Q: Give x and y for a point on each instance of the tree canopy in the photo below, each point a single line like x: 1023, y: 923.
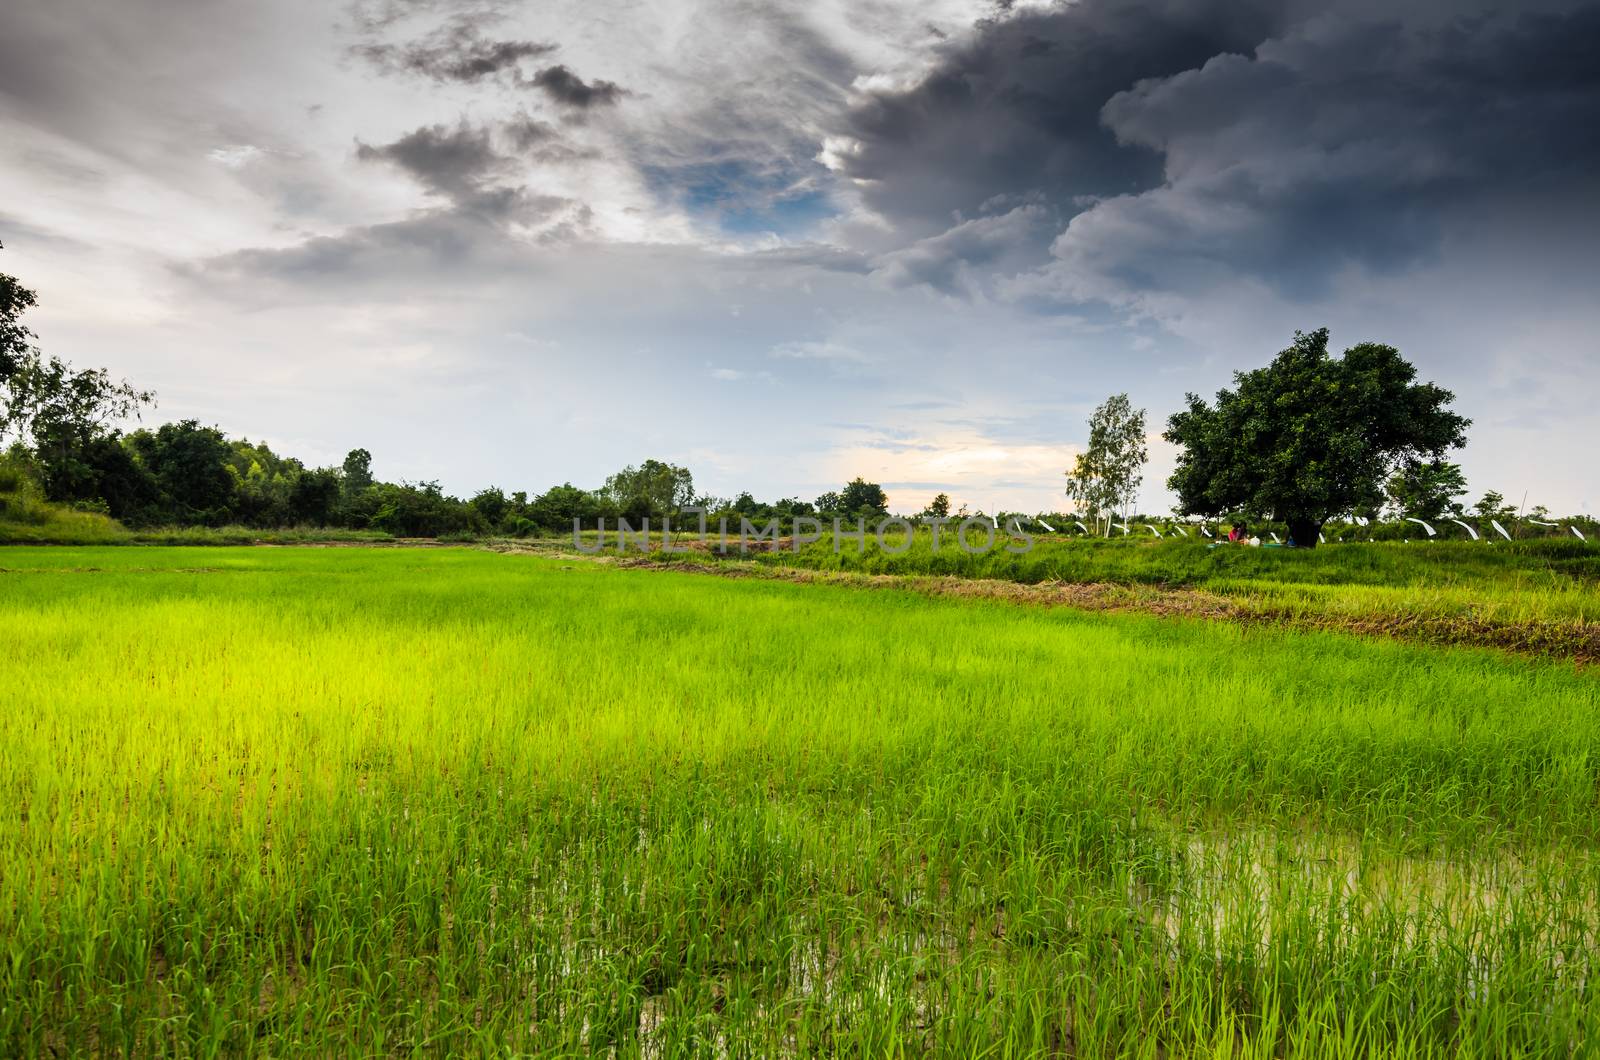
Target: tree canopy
x: 1310, y: 436
x: 863, y: 498
x: 654, y: 488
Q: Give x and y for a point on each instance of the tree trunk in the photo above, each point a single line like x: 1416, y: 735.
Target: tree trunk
x: 1304, y: 532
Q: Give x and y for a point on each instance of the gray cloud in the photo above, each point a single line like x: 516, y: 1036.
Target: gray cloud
x: 947, y: 262
x: 540, y: 141
x: 461, y: 162
x: 568, y: 89
x: 483, y: 218
x: 1015, y: 107
x: 450, y: 161
x: 374, y: 15
x: 473, y: 233
x: 1189, y: 142
x: 1340, y: 143
x: 457, y: 51
x: 530, y: 134
x: 808, y: 256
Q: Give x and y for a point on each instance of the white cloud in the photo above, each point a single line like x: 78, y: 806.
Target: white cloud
x: 234, y: 155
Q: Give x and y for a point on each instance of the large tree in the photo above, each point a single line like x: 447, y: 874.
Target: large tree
x: 1310, y: 436
x: 1107, y: 474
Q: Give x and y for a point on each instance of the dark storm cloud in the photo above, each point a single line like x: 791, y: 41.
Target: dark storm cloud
x: 1348, y: 142
x: 1482, y: 103
x: 1198, y: 138
x: 568, y: 89
x: 1015, y: 107
x: 457, y: 51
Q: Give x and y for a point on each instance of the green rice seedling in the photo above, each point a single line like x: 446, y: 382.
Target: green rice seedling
x: 385, y: 801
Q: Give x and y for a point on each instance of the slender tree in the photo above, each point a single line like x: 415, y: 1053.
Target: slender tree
x: 1107, y: 474
x: 357, y: 473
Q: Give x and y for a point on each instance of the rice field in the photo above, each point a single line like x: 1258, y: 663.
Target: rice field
x: 1539, y: 597
x: 446, y: 801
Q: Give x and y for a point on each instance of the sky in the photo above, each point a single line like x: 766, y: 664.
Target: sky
x: 785, y: 244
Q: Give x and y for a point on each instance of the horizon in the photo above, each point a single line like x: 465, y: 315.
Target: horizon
x: 505, y: 245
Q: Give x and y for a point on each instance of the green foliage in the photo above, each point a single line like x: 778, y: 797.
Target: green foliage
x: 314, y: 498
x: 555, y: 510
x: 1493, y: 506
x: 16, y: 339
x: 420, y: 510
x: 191, y: 465
x: 26, y: 517
x: 1310, y: 436
x: 651, y: 490
x: 863, y: 499
x: 939, y: 507
x: 1427, y: 489
x: 57, y: 408
x: 492, y: 505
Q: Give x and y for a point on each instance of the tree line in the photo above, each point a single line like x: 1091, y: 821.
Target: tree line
x: 1309, y: 438
x: 59, y: 427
